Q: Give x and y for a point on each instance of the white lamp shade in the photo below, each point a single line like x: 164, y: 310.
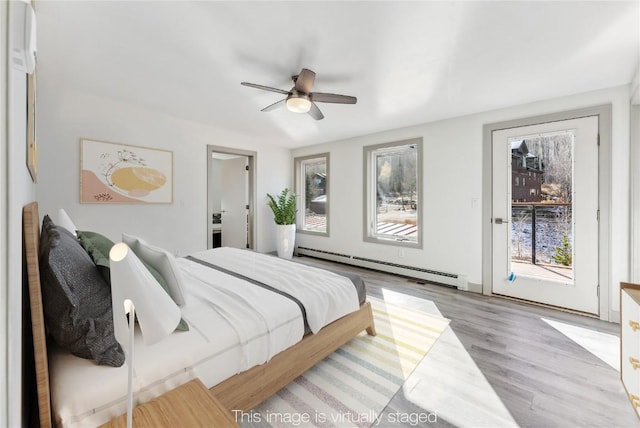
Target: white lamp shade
x: 298, y: 104
x: 65, y: 221
x: 131, y: 282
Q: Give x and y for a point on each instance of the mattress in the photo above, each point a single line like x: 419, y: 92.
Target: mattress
x: 356, y: 280
x: 325, y: 295
x: 234, y: 325
x: 230, y: 331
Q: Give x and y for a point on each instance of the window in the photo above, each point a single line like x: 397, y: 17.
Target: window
x: 312, y: 187
x: 393, y: 193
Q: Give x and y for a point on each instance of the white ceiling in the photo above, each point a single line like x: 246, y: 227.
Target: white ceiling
x: 407, y: 62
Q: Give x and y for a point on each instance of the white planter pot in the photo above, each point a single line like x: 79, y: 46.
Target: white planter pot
x: 285, y: 240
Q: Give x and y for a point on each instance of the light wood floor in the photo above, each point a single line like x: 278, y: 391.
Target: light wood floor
x: 500, y: 364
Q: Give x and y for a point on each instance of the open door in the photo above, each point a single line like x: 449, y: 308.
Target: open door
x: 234, y: 202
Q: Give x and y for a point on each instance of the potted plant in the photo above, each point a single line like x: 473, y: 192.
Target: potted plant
x: 284, y: 209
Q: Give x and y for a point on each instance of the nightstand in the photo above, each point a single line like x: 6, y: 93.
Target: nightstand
x: 189, y: 405
x: 630, y: 342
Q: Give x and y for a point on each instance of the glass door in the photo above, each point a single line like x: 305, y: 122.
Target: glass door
x: 545, y: 213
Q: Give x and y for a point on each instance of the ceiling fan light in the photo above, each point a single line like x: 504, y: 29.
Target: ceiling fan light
x: 298, y: 105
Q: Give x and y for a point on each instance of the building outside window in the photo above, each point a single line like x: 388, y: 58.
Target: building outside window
x: 393, y: 194
x: 312, y: 187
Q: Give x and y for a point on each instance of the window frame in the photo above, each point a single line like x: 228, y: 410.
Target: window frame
x: 300, y: 189
x: 369, y: 190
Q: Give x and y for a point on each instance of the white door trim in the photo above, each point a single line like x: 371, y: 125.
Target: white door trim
x: 604, y: 200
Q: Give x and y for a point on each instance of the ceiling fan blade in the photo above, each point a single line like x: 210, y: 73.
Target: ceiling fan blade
x: 315, y: 112
x: 321, y: 97
x: 265, y: 88
x: 304, y: 81
x: 274, y: 105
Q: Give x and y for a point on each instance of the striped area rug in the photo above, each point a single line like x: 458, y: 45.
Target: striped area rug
x: 351, y: 387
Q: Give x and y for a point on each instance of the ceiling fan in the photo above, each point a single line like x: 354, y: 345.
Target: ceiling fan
x: 300, y: 99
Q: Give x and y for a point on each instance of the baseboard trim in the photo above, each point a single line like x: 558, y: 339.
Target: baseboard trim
x: 429, y: 275
x: 474, y: 288
x: 615, y: 317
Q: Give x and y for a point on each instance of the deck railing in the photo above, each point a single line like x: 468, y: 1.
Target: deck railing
x: 528, y: 218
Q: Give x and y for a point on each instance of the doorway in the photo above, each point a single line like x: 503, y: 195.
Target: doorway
x: 545, y: 213
x: 546, y: 238
x: 230, y: 197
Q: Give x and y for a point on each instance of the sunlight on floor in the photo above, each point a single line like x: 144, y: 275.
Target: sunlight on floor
x: 602, y: 345
x: 448, y: 382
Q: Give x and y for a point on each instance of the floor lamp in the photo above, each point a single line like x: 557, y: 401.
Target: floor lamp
x: 134, y: 291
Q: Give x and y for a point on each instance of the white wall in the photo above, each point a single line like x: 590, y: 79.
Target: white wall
x: 634, y: 159
x: 635, y: 193
x: 453, y: 173
x: 22, y: 190
x: 181, y: 227
x: 16, y: 190
x: 5, y: 342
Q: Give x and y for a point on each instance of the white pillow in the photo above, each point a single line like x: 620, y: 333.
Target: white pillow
x: 65, y: 221
x: 131, y: 241
x: 162, y: 261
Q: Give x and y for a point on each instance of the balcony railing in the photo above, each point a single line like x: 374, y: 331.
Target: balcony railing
x: 542, y: 233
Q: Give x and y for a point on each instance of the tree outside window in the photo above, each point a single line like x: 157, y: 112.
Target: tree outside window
x: 312, y: 173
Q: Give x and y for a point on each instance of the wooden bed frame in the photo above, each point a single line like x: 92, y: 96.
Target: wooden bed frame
x: 240, y: 392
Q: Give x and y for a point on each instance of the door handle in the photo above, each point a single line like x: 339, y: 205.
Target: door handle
x: 500, y: 221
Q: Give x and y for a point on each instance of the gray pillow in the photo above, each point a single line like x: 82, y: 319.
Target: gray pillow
x: 76, y: 298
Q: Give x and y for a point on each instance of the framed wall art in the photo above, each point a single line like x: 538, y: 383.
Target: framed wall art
x: 32, y: 153
x: 120, y: 173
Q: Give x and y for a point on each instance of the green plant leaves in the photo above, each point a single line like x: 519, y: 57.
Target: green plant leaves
x: 284, y: 207
x: 563, y: 255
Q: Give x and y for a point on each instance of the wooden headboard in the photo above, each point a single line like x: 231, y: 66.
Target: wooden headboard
x: 31, y: 235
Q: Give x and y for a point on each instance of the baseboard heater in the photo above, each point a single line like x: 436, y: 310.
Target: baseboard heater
x: 444, y: 278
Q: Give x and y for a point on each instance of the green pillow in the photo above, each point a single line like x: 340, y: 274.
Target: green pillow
x: 100, y: 242
x: 98, y: 247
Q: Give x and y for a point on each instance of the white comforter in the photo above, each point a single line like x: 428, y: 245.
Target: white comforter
x: 234, y: 325
x: 325, y: 295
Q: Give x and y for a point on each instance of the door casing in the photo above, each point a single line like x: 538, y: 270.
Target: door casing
x: 604, y: 199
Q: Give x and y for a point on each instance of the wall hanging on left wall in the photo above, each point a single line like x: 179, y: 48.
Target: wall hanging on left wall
x: 120, y: 173
x: 32, y: 152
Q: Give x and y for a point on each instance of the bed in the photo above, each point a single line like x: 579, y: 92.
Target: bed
x: 236, y: 379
